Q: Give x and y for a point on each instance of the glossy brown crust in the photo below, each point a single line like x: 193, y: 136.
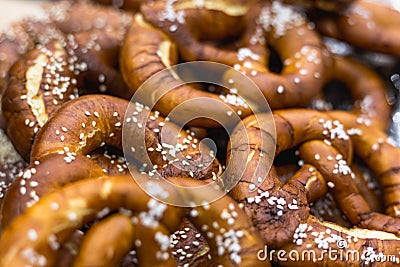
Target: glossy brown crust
x: 95, y: 55
x: 305, y: 62
x: 42, y: 177
x: 189, y: 246
x: 367, y: 89
x: 187, y: 24
x: 8, y: 173
x: 366, y: 24
x: 319, y: 236
x: 56, y: 208
x: 107, y: 242
x: 97, y: 121
x: 281, y: 211
x: 39, y: 84
x: 80, y: 202
x: 381, y: 156
x: 138, y: 64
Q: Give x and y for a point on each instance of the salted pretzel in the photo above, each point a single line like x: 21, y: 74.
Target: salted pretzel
x: 41, y: 223
x: 57, y: 71
x: 367, y: 89
x: 375, y: 148
x: 280, y: 211
x: 189, y: 246
x: 39, y: 83
x: 368, y: 24
x: 137, y: 65
x: 97, y: 123
x: 274, y: 24
x: 305, y: 63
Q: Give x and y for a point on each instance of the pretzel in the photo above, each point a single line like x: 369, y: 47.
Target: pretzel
x: 260, y: 24
x: 42, y: 177
x: 137, y: 65
x: 375, y: 148
x: 189, y: 246
x: 280, y: 211
x: 94, y: 195
x: 63, y: 144
x: 98, y: 122
x: 305, y: 63
x: 49, y: 76
x: 188, y: 25
x: 370, y: 25
x: 39, y: 83
x: 368, y: 91
x: 116, y: 232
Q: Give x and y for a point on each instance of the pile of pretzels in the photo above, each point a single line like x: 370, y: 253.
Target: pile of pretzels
x: 317, y: 182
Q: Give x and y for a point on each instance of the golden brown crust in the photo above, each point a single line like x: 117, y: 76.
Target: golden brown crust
x: 80, y: 202
x: 305, y: 62
x: 42, y: 177
x: 368, y: 91
x: 107, y: 242
x: 281, y: 211
x: 138, y: 65
x: 39, y: 84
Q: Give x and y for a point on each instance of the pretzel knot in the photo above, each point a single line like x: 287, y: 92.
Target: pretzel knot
x: 143, y: 223
x: 62, y: 144
x: 64, y: 62
x: 257, y: 27
x: 280, y: 211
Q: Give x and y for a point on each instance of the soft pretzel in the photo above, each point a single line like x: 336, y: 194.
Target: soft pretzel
x: 138, y: 65
x: 368, y: 24
x: 48, y: 76
x: 189, y: 246
x: 39, y: 83
x: 107, y: 242
x: 91, y: 196
x: 42, y: 177
x: 305, y: 63
x: 188, y: 24
x: 285, y: 206
x: 97, y: 122
x: 374, y: 147
x: 367, y: 89
x: 275, y: 24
